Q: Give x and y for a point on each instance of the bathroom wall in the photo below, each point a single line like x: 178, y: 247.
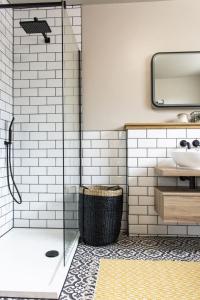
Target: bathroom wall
x: 146, y: 149
x: 104, y: 161
x: 75, y: 17
x: 38, y: 111
x: 118, y: 43
x: 6, y: 45
x: 38, y: 125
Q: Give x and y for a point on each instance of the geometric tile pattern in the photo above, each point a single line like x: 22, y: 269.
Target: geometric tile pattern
x: 82, y: 276
x: 81, y: 279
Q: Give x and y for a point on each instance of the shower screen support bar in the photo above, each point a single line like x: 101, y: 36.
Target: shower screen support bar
x: 32, y: 5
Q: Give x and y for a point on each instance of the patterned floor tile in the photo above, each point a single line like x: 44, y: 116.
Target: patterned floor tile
x: 81, y: 279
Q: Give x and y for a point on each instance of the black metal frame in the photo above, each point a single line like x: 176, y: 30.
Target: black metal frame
x: 80, y: 115
x: 63, y: 139
x: 33, y: 5
x: 127, y: 185
x: 153, y: 81
x: 191, y: 180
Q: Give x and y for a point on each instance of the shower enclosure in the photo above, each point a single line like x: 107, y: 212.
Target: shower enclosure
x: 40, y: 88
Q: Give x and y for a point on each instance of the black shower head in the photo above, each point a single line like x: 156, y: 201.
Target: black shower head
x: 36, y: 26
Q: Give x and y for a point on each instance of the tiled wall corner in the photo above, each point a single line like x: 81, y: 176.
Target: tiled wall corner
x: 146, y: 149
x: 6, y: 65
x: 38, y: 124
x: 104, y: 161
x: 38, y: 111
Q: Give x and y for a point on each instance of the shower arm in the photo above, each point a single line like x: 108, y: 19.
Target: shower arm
x: 46, y: 38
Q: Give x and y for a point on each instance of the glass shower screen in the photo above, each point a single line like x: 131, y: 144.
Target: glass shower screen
x: 72, y: 131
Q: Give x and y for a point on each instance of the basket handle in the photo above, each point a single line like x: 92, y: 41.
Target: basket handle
x: 84, y: 187
x: 114, y: 188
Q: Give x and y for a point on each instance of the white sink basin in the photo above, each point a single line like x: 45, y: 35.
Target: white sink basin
x: 187, y: 159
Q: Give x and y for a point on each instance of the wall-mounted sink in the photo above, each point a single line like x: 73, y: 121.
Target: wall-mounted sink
x: 189, y: 159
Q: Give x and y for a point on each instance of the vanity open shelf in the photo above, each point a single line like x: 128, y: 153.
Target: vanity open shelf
x: 176, y: 172
x: 178, y: 205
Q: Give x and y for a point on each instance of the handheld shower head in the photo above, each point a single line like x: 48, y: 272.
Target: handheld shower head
x: 10, y: 131
x: 9, y: 141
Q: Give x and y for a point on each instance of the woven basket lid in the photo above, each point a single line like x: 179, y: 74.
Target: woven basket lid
x: 97, y: 190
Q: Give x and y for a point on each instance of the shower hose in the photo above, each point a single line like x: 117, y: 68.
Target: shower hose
x: 9, y: 169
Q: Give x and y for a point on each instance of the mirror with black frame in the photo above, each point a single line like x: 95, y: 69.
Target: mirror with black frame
x: 176, y: 79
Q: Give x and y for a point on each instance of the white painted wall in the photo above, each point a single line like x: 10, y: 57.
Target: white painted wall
x: 118, y: 43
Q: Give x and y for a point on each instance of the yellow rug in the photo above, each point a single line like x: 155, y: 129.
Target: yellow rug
x: 147, y: 280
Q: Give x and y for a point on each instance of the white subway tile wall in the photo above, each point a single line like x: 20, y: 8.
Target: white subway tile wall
x: 38, y: 160
x: 104, y: 161
x: 146, y: 149
x: 74, y: 15
x: 6, y: 101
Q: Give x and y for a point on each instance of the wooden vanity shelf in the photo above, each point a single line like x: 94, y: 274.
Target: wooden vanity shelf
x: 178, y: 205
x: 176, y: 172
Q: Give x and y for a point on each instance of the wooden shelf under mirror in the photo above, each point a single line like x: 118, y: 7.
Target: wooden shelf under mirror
x: 132, y: 126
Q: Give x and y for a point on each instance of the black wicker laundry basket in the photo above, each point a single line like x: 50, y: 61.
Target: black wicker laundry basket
x: 100, y: 214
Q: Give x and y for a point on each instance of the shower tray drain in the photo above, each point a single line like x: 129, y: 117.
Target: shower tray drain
x: 52, y: 253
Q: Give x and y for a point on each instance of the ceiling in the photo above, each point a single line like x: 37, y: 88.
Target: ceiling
x: 75, y: 2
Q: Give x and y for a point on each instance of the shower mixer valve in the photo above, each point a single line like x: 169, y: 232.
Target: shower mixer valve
x: 186, y: 144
